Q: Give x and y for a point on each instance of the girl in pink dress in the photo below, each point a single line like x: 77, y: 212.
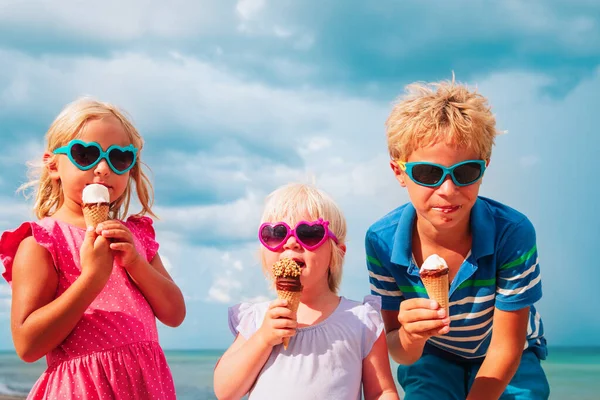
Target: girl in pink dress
x: 88, y: 299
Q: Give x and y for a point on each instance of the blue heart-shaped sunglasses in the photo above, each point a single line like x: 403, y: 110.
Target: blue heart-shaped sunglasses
x: 86, y: 155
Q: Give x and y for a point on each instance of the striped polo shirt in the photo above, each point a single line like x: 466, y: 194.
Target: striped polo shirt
x: 501, y: 271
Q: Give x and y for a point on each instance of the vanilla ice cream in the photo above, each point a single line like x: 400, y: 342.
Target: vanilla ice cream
x: 433, y: 262
x: 94, y: 194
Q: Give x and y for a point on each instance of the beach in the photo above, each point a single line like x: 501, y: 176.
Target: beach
x: 572, y: 373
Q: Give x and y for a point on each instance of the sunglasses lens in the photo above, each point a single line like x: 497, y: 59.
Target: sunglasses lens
x: 310, y: 235
x: 121, y: 160
x: 467, y: 173
x: 427, y: 174
x: 273, y: 235
x: 84, y: 156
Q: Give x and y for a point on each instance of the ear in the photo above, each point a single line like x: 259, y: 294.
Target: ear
x: 342, y: 247
x: 51, y: 165
x: 398, y: 173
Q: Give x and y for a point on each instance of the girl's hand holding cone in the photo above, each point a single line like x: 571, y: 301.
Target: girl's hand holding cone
x: 279, y: 323
x: 121, y: 242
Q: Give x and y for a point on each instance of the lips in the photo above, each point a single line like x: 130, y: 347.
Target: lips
x: 300, y: 263
x: 103, y: 184
x: 446, y: 209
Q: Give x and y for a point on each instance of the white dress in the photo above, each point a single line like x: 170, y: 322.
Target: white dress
x: 323, y: 361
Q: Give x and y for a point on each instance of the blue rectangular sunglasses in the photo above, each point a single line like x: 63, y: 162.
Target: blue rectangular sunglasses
x: 433, y: 175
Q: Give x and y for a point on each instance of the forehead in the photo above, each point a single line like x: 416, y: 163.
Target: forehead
x: 106, y: 131
x: 443, y: 153
x: 292, y: 218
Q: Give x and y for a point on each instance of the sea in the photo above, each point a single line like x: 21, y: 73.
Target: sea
x: 573, y: 373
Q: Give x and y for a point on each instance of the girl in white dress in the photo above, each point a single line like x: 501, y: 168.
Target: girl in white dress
x: 337, y: 347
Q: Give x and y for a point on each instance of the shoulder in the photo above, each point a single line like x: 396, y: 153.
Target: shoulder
x: 514, y: 234
x: 245, y: 318
x: 366, y: 317
x: 33, y: 238
x: 368, y: 311
x: 142, y: 228
x: 503, y: 213
x: 140, y: 223
x: 506, y: 219
x: 385, y: 227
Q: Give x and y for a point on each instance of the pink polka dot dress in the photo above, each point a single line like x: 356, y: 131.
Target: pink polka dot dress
x: 113, y: 352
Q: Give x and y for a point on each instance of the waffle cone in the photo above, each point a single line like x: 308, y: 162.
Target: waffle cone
x: 437, y: 289
x: 293, y: 299
x: 95, y: 213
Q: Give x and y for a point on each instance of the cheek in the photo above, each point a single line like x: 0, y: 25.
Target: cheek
x: 268, y: 257
x: 471, y: 192
x: 418, y: 194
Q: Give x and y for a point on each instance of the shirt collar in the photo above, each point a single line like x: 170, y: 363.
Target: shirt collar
x: 482, y: 226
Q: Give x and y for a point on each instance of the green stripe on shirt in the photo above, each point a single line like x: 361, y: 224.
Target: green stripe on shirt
x: 413, y: 289
x: 477, y: 283
x: 521, y: 259
x: 373, y: 261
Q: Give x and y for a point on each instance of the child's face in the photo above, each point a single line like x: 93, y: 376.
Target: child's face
x: 447, y: 205
x: 314, y: 264
x: 106, y: 132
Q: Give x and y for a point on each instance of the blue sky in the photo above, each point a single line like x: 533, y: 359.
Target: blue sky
x: 235, y: 98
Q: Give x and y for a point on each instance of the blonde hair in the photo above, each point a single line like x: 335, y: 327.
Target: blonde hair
x: 291, y: 201
x: 440, y: 112
x: 69, y: 125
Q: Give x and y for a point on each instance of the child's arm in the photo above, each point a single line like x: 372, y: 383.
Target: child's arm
x: 153, y: 280
x: 238, y: 368
x: 378, y: 382
x: 39, y: 323
x: 408, y: 330
x: 414, y: 320
x: 158, y: 288
x: 518, y: 287
x: 503, y: 356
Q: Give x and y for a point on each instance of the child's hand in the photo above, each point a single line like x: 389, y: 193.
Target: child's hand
x: 422, y: 318
x: 95, y: 257
x: 121, y: 241
x: 279, y: 322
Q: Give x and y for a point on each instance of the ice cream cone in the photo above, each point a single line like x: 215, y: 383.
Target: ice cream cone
x: 287, y: 283
x: 95, y: 204
x: 434, y: 275
x: 293, y: 299
x: 437, y: 289
x: 95, y: 213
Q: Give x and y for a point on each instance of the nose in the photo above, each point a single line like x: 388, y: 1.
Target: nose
x: 447, y: 187
x: 102, y: 168
x: 292, y: 243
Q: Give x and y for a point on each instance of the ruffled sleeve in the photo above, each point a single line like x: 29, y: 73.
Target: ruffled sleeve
x: 142, y: 229
x: 373, y: 322
x: 245, y: 318
x: 10, y: 241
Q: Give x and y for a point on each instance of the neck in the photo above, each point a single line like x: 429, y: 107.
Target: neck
x: 70, y: 213
x: 318, y: 298
x: 449, y: 239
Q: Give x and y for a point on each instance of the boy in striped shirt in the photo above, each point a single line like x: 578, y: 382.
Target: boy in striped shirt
x: 440, y: 139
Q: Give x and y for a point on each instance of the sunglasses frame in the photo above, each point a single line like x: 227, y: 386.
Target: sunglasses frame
x: 102, y: 155
x: 292, y: 232
x: 408, y: 168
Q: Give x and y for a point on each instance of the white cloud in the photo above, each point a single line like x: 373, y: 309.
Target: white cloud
x: 314, y: 145
x: 113, y: 20
x: 249, y: 9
